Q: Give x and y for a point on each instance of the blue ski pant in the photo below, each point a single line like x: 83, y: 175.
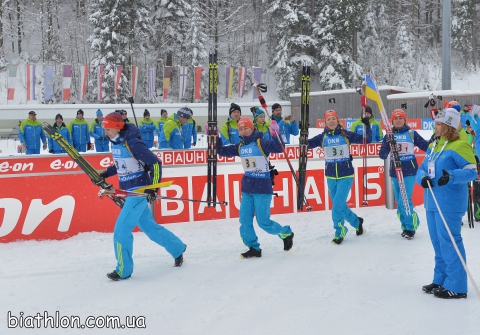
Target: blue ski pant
x: 448, y: 271
x: 408, y: 222
x: 135, y: 212
x: 32, y: 151
x: 102, y: 146
x: 81, y: 147
x: 259, y: 205
x: 339, y: 189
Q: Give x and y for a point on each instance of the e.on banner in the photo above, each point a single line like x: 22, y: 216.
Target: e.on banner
x: 53, y: 199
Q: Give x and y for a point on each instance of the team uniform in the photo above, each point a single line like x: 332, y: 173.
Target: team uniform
x: 30, y: 132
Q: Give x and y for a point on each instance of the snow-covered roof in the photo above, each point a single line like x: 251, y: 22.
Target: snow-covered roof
x: 427, y: 94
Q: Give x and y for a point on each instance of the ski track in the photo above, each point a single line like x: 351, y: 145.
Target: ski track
x: 370, y: 284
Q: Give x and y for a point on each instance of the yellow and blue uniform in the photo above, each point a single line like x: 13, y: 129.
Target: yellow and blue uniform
x: 137, y: 166
x: 53, y: 145
x: 30, y: 132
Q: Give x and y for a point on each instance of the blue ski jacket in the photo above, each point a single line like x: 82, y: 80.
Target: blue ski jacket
x: 53, y: 145
x: 254, y: 160
x: 98, y: 134
x: 135, y: 164
x: 457, y: 159
x: 171, y: 136
x: 80, y: 132
x: 286, y: 128
x: 406, y: 140
x: 30, y: 132
x: 336, y: 145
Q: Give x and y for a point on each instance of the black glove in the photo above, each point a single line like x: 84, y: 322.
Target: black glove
x: 389, y: 138
x: 50, y: 151
x: 426, y: 181
x: 443, y: 180
x: 194, y: 143
x: 366, y: 121
x: 152, y: 195
x: 89, y: 146
x: 104, y: 174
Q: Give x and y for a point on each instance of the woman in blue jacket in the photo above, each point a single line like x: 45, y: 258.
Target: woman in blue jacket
x: 102, y: 144
x: 335, y: 142
x: 257, y: 186
x: 136, y: 166
x: 406, y: 140
x: 53, y: 146
x: 447, y: 168
x: 171, y: 137
x: 147, y: 128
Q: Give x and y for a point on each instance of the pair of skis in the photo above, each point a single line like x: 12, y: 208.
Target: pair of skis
x: 303, y: 139
x: 212, y: 129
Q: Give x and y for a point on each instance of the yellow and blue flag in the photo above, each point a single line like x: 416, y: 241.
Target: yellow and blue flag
x: 372, y: 93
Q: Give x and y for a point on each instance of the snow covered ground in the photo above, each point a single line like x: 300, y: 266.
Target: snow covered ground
x: 368, y: 285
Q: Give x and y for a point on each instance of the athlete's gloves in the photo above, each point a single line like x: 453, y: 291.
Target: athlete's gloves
x: 274, y: 128
x: 366, y: 121
x: 443, y: 180
x: 152, y: 195
x: 426, y: 181
x: 389, y: 138
x: 89, y: 146
x: 50, y: 151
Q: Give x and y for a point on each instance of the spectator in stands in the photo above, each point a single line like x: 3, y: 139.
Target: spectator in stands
x: 189, y: 133
x: 80, y: 133
x: 261, y: 124
x: 357, y: 126
x: 229, y: 131
x: 30, y: 133
x: 161, y: 122
x: 124, y: 116
x: 53, y: 146
x: 147, y: 128
x: 102, y: 142
x: 287, y: 124
x: 171, y: 136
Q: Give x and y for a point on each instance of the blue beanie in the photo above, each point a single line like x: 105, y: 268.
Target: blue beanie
x: 457, y: 107
x: 258, y: 112
x: 99, y: 112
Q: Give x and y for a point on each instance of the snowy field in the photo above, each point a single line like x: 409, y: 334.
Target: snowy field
x: 368, y: 285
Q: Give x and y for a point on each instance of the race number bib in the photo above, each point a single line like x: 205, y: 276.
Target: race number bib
x: 337, y: 152
x: 249, y: 163
x: 405, y: 148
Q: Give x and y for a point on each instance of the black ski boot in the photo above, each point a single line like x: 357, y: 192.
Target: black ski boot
x: 337, y: 240
x: 252, y: 252
x: 408, y: 234
x: 430, y: 288
x: 288, y: 242
x: 359, y: 230
x: 446, y: 294
x: 115, y: 277
x: 179, y: 259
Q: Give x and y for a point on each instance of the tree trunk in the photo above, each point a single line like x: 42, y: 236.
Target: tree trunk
x: 19, y: 28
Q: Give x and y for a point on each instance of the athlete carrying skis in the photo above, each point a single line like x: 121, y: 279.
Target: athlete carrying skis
x: 136, y: 166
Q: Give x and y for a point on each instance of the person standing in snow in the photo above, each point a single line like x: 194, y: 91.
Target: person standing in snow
x: 447, y: 168
x: 80, y: 133
x: 335, y: 142
x: 257, y: 189
x: 136, y: 166
x: 53, y: 146
x: 171, y: 137
x: 102, y: 144
x: 406, y: 140
x: 287, y: 124
x: 30, y: 132
x: 147, y: 128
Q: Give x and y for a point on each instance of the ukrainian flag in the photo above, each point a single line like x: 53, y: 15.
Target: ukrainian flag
x: 371, y: 92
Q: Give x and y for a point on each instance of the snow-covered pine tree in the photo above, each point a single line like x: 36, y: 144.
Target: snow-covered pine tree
x: 464, y: 22
x: 116, y: 25
x: 295, y: 44
x: 195, y: 52
x: 336, y: 25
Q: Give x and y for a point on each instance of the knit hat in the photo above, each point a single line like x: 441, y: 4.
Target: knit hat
x: 258, y: 112
x: 368, y: 109
x: 456, y: 107
x: 234, y: 107
x: 146, y: 112
x: 113, y: 120
x: 184, y: 112
x: 399, y: 113
x: 330, y: 112
x: 58, y: 116
x: 80, y: 112
x: 245, y: 123
x: 32, y: 113
x: 275, y: 106
x: 99, y: 112
x: 449, y: 116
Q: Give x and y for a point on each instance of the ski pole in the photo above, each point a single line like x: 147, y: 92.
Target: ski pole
x: 453, y: 242
x: 363, y: 103
x: 130, y: 100
x: 258, y: 87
